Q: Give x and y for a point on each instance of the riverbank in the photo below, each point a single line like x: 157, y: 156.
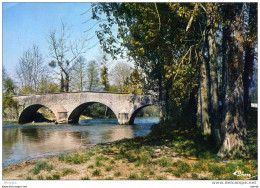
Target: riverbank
x: 147, y: 158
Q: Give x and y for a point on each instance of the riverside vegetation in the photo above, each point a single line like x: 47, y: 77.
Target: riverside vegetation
x: 168, y: 152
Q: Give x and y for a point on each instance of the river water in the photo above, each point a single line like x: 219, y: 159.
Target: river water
x: 27, y: 142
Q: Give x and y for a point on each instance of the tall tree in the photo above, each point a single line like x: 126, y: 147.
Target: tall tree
x: 78, y: 77
x: 251, y: 38
x: 64, y: 53
x: 31, y: 70
x: 233, y: 128
x: 92, y: 76
x: 104, y: 78
x: 120, y: 75
x: 212, y: 22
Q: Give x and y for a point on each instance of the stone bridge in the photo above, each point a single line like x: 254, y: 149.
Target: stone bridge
x: 67, y: 107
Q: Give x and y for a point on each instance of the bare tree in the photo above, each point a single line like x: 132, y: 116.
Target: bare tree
x: 30, y: 69
x: 120, y: 75
x: 78, y: 76
x: 64, y: 53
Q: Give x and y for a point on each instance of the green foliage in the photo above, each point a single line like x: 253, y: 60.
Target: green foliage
x: 104, y: 78
x: 42, y: 165
x: 97, y: 110
x: 27, y: 90
x: 92, y: 76
x: 48, y: 87
x: 135, y: 82
x: 9, y: 86
x: 9, y: 102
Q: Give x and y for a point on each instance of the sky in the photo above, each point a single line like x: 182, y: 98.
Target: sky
x: 26, y: 24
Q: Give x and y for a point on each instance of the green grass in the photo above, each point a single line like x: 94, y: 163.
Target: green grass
x: 74, y: 158
x: 91, y: 166
x: 96, y: 172
x: 28, y: 178
x: 40, y: 177
x: 181, y: 168
x: 164, y: 162
x: 216, y: 170
x: 161, y: 178
x: 200, y: 166
x: 117, y: 174
x: 67, y: 171
x: 53, y: 177
x: 85, y: 178
x: 108, y: 178
x: 99, y: 163
x: 133, y: 177
x: 42, y: 165
x: 144, y: 159
x: 109, y: 168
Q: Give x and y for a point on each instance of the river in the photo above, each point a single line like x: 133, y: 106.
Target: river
x: 27, y: 142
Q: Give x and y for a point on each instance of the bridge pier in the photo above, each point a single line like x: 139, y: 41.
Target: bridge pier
x: 123, y: 119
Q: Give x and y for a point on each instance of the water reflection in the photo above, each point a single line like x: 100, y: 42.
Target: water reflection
x: 21, y: 142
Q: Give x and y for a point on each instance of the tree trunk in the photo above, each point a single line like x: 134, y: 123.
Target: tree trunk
x: 199, y: 109
x: 61, y: 82
x: 213, y: 66
x: 249, y: 55
x: 234, y: 127
x: 225, y: 33
x: 66, y: 82
x: 203, y: 106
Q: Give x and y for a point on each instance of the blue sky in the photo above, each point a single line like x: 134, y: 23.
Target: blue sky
x: 25, y: 24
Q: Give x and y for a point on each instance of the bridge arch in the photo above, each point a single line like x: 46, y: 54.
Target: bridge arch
x: 76, y: 112
x: 29, y: 113
x: 136, y: 111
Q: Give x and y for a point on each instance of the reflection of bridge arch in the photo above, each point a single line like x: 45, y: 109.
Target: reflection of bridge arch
x: 75, y: 114
x: 135, y: 112
x: 30, y: 112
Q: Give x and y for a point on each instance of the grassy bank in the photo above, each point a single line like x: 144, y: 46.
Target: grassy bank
x: 182, y: 156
